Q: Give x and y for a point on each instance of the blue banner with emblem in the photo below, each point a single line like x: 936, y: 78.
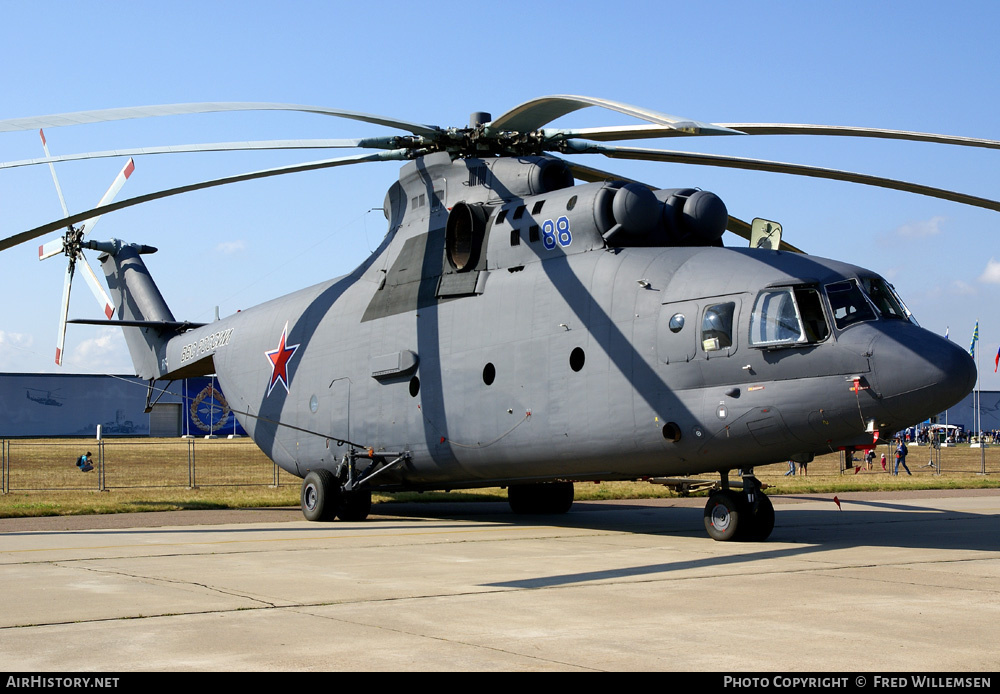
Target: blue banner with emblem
x: 206, y: 409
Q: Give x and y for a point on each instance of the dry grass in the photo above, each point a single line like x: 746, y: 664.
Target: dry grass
x: 156, y: 474
x: 50, y: 464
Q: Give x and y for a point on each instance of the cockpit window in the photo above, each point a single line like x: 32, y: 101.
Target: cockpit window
x: 775, y: 319
x: 814, y: 321
x: 884, y: 298
x: 788, y: 316
x: 717, y: 327
x: 848, y: 304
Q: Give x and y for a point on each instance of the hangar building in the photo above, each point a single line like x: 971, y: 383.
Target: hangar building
x: 42, y: 405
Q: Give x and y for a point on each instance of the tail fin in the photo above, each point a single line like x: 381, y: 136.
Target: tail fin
x: 146, y: 321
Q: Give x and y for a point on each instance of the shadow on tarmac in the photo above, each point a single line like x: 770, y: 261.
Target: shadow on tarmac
x: 867, y: 523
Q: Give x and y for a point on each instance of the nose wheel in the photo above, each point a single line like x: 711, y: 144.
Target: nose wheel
x: 745, y: 515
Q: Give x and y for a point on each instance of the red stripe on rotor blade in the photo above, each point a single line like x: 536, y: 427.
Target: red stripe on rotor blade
x: 108, y: 311
x: 40, y: 251
x: 129, y: 168
x: 42, y: 133
x: 58, y: 356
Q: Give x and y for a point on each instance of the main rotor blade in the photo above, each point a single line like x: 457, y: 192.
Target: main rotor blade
x: 388, y: 142
x: 853, y: 131
x: 642, y: 132
x: 396, y: 155
x: 613, y: 133
x: 778, y: 167
x: 532, y: 115
x: 592, y: 175
x: 126, y: 113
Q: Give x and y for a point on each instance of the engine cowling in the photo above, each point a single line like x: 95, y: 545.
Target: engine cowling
x: 630, y: 214
x: 696, y: 217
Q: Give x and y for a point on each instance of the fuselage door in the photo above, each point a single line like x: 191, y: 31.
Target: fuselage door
x: 340, y: 408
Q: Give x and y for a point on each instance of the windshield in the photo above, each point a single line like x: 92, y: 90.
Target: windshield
x: 848, y: 303
x: 885, y: 300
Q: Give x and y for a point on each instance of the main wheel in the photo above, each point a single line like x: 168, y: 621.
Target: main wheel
x: 722, y: 516
x: 319, y: 496
x: 355, y: 506
x: 553, y: 497
x: 761, y: 520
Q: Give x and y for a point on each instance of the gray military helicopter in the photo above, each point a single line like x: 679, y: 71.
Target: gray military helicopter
x: 529, y: 322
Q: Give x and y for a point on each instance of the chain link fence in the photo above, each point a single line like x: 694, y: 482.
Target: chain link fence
x: 922, y: 460
x: 30, y: 464
x: 50, y: 464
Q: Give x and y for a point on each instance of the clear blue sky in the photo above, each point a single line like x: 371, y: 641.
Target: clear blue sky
x: 923, y: 66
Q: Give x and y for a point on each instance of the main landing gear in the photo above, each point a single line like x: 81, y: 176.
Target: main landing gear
x: 345, y: 493
x: 323, y: 499
x: 545, y: 498
x: 744, y: 515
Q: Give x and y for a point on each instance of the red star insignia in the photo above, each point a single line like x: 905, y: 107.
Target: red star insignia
x: 278, y: 359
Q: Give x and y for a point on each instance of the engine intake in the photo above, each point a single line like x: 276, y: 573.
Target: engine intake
x: 464, y: 233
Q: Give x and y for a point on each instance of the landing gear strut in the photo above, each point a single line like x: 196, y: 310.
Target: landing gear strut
x: 744, y: 515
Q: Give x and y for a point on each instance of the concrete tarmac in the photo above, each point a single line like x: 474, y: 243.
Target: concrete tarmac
x: 887, y: 583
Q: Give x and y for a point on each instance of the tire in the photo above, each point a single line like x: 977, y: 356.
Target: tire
x: 559, y: 497
x: 723, y: 516
x: 761, y: 521
x: 319, y: 496
x: 548, y: 498
x: 355, y: 506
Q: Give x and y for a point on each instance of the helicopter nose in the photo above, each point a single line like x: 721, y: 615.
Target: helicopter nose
x: 920, y: 374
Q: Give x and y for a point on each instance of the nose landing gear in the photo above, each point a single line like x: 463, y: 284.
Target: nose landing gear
x: 744, y: 515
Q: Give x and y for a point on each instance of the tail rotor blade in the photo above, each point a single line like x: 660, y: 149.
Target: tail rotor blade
x: 112, y: 191
x: 51, y: 248
x: 95, y: 286
x: 63, y: 313
x: 52, y: 170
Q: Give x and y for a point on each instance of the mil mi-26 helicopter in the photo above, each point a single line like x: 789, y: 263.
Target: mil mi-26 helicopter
x: 517, y: 328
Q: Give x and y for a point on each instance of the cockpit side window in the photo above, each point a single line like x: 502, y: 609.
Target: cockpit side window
x: 848, y: 304
x: 788, y: 316
x: 775, y: 319
x: 811, y: 312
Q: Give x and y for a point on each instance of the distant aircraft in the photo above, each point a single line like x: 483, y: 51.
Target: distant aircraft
x: 47, y: 399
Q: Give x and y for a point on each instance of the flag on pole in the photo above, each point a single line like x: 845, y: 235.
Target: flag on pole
x: 996, y: 361
x: 975, y: 339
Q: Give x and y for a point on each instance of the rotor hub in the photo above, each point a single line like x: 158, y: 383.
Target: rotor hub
x: 72, y: 241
